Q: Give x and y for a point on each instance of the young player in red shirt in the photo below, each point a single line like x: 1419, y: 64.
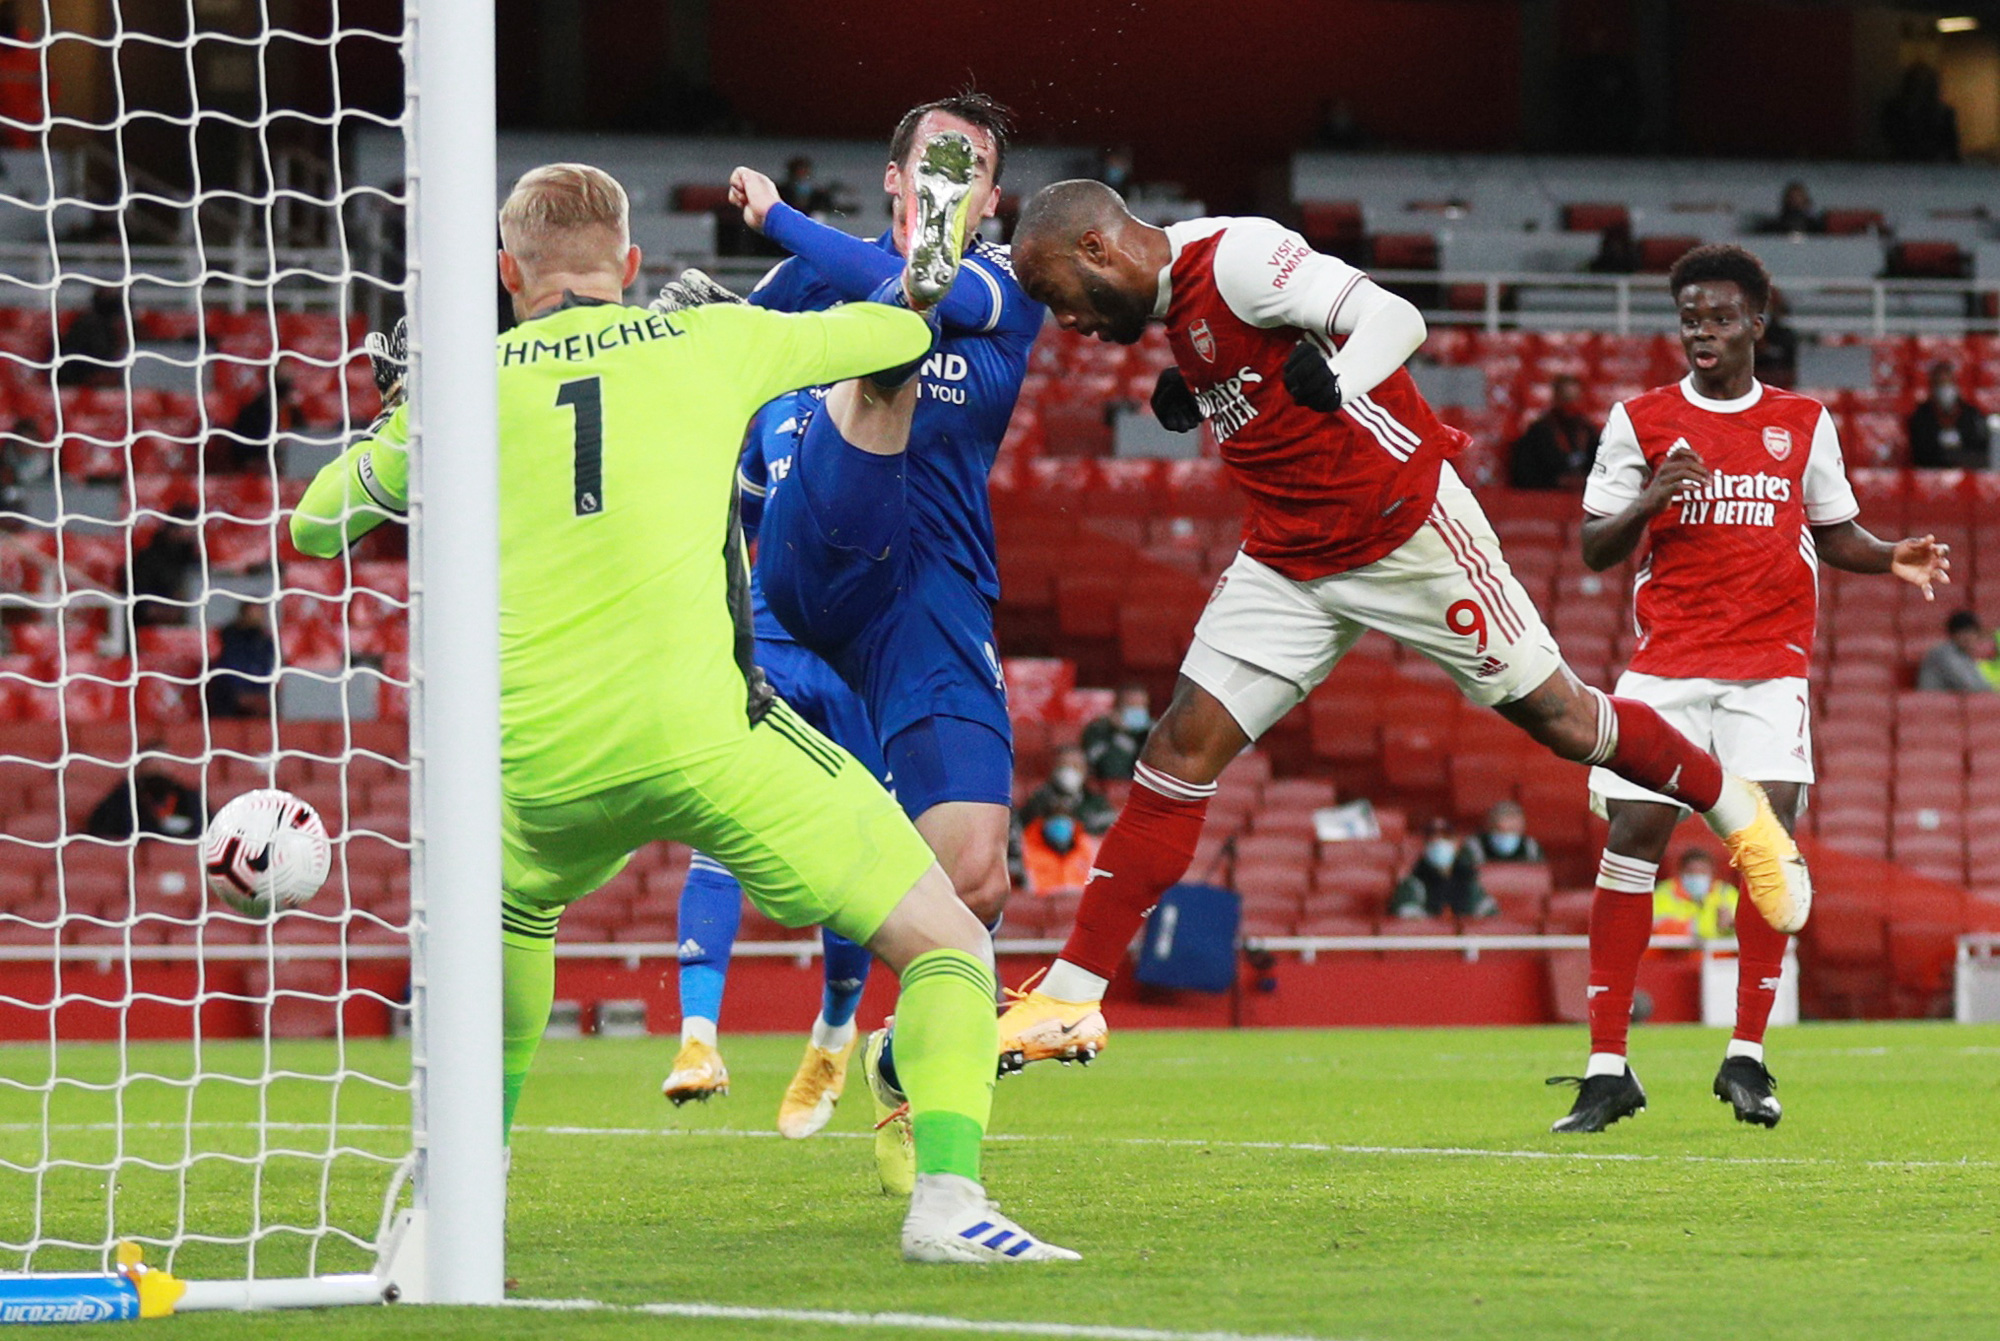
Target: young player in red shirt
x: 1740, y: 490
x: 1356, y: 521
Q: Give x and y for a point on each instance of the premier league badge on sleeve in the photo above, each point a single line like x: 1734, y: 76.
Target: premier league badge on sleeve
x: 1778, y: 442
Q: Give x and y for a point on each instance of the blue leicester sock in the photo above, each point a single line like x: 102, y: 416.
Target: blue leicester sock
x: 711, y: 911
x: 846, y: 974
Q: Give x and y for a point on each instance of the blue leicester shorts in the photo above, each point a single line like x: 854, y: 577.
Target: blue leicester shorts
x: 950, y: 759
x: 845, y: 572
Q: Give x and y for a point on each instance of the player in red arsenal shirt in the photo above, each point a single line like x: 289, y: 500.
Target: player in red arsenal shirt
x: 1739, y: 489
x: 1356, y: 521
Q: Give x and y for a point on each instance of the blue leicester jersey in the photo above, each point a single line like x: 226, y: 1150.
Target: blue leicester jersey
x: 767, y: 458
x: 969, y: 386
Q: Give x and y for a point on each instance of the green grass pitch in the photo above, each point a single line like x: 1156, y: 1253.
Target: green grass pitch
x: 1393, y: 1184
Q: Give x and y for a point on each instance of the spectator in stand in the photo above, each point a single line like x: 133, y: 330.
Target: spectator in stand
x: 1777, y: 352
x: 1796, y: 213
x: 802, y: 191
x: 1505, y: 837
x: 1965, y: 662
x: 1617, y: 251
x: 161, y: 568
x: 253, y: 434
x: 1917, y: 124
x: 1055, y: 854
x: 1338, y: 128
x: 1112, y: 743
x: 1068, y: 792
x: 239, y: 685
x: 1557, y: 449
x: 1445, y: 879
x: 1947, y: 431
x: 164, y: 807
x: 1693, y: 902
x: 1114, y: 168
x: 14, y: 469
x: 96, y: 342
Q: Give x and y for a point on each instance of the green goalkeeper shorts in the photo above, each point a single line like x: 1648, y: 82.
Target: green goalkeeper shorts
x: 812, y: 838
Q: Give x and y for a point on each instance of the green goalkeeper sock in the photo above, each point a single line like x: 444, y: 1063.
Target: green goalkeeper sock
x: 946, y: 1045
x: 527, y: 990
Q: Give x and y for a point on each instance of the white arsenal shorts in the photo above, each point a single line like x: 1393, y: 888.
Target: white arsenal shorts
x: 1756, y: 729
x: 1265, y: 641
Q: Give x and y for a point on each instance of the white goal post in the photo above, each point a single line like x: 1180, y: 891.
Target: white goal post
x: 455, y: 600
x: 302, y: 1109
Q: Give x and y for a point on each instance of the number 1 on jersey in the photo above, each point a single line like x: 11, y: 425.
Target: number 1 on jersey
x: 585, y: 397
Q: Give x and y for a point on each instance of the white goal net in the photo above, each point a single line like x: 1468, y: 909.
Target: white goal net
x: 187, y: 271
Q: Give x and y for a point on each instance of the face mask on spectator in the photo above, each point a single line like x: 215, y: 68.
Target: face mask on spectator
x: 1697, y: 883
x: 1503, y: 844
x: 1059, y: 832
x: 1946, y: 397
x: 1067, y: 779
x: 1134, y: 718
x: 1441, y: 852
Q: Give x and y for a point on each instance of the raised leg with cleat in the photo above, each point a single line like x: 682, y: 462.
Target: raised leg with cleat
x: 937, y: 222
x: 1039, y: 1028
x: 1774, y: 873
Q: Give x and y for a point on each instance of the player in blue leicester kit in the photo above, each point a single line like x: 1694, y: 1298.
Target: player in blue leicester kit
x: 711, y: 901
x: 880, y: 557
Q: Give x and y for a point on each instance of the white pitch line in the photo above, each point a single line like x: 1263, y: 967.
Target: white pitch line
x: 1028, y: 1138
x: 912, y: 1322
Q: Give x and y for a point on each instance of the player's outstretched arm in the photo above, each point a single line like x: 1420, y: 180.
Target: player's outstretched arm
x: 764, y: 353
x: 855, y: 267
x: 367, y: 485
x: 1270, y: 277
x: 1919, y: 560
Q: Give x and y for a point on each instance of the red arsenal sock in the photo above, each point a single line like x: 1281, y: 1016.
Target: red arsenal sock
x: 1621, y: 924
x: 1637, y: 744
x: 1760, y: 958
x: 1148, y: 849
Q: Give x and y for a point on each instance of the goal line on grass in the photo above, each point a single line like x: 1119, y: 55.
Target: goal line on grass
x: 912, y: 1322
x: 1032, y: 1138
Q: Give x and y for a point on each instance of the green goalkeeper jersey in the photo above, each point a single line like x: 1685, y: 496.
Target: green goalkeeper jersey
x: 624, y: 624
x: 625, y: 646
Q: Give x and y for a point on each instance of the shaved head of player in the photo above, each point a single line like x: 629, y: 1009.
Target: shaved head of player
x: 1721, y: 294
x: 1079, y: 252
x: 564, y: 230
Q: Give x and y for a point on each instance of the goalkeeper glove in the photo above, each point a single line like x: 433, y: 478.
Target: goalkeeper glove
x: 389, y: 359
x: 1310, y: 380
x: 692, y: 289
x: 1173, y: 404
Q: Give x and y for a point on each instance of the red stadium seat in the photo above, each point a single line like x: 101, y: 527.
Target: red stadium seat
x: 1594, y: 218
x: 1403, y: 251
x: 1522, y: 889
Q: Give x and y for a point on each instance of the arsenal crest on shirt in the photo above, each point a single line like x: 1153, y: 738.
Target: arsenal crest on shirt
x: 1778, y: 442
x: 1204, y: 343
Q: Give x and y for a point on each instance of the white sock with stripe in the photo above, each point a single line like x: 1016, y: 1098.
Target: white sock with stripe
x: 1607, y: 728
x: 1171, y: 787
x: 1626, y: 875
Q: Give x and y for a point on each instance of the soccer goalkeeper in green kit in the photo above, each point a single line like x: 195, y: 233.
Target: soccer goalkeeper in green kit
x: 630, y: 711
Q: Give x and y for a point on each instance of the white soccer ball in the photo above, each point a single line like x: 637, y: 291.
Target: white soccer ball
x: 266, y: 851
